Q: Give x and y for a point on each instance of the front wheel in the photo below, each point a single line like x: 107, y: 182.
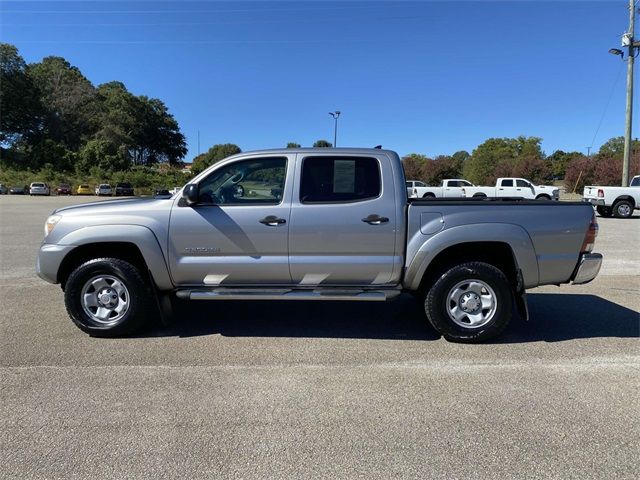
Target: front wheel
x: 108, y: 297
x: 543, y: 197
x: 470, y: 303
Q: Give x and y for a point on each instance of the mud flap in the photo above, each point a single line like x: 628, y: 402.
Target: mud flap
x: 163, y: 302
x: 521, y: 298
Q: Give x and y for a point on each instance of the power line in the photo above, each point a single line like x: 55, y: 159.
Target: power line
x: 606, y: 107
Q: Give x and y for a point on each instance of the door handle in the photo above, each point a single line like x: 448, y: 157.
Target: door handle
x: 272, y: 221
x: 374, y: 219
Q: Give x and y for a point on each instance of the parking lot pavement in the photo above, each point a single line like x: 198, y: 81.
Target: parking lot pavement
x: 330, y: 390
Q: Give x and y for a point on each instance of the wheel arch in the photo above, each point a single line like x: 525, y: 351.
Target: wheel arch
x: 133, y: 243
x: 628, y: 198
x: 502, y: 245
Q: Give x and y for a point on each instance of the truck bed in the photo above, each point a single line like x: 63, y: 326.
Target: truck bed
x: 530, y: 227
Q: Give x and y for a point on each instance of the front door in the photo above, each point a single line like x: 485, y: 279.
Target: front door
x: 343, y: 221
x: 237, y: 233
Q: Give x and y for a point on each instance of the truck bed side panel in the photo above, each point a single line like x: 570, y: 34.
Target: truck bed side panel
x: 547, y: 234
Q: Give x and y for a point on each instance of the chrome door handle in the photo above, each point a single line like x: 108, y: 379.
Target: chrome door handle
x: 272, y: 221
x: 374, y: 219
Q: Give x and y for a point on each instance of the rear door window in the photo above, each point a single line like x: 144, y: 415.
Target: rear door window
x: 507, y: 183
x: 339, y: 179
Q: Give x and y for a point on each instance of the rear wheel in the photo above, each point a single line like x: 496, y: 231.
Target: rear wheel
x: 108, y: 297
x: 604, y: 211
x: 429, y: 195
x: 470, y: 303
x: 623, y: 209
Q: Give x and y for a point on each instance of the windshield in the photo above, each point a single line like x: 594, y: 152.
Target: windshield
x: 37, y: 184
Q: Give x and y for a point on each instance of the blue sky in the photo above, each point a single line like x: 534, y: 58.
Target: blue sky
x: 428, y: 77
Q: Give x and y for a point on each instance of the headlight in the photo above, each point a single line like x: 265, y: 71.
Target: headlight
x: 51, y: 223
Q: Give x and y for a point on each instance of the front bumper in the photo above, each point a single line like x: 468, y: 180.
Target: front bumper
x: 49, y: 259
x: 598, y: 202
x: 587, y: 269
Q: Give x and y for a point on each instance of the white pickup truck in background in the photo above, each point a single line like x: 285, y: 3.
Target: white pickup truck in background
x: 616, y: 201
x: 515, y: 187
x: 450, y: 187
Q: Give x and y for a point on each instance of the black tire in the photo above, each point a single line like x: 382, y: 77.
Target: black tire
x: 429, y: 195
x: 543, y: 197
x: 437, y: 303
x: 139, y: 297
x: 623, y: 209
x: 479, y: 195
x: 604, y: 211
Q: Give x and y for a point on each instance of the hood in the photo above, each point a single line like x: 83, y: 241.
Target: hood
x: 124, y: 206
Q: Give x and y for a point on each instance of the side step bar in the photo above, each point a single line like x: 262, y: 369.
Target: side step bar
x: 287, y: 294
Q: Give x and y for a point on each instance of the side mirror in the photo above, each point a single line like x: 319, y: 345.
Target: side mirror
x: 191, y: 194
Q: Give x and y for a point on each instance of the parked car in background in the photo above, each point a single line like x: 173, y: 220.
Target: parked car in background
x: 515, y: 187
x: 84, y: 189
x: 162, y: 193
x: 617, y: 201
x: 104, y: 189
x: 124, y: 189
x: 3, y: 189
x: 449, y: 188
x: 18, y: 190
x: 39, y: 188
x: 64, y: 189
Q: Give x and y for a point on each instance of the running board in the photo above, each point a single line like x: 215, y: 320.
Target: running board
x: 287, y: 294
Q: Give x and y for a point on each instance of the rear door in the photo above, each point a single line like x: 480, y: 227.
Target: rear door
x: 506, y: 188
x: 343, y: 220
x: 455, y: 189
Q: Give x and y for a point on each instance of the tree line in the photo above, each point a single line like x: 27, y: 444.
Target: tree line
x: 523, y: 157
x: 53, y: 115
x: 54, y: 120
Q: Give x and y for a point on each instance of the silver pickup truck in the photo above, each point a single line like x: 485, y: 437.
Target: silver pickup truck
x: 313, y: 224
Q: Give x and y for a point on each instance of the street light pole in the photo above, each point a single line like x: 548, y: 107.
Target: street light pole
x: 628, y: 41
x: 335, y: 116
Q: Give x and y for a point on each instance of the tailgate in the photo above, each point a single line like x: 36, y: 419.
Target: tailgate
x: 590, y: 192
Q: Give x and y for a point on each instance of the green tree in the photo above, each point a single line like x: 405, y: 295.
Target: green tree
x: 614, y: 147
x: 461, y: 156
x: 293, y: 145
x: 69, y: 101
x: 158, y: 137
x: 322, y: 144
x: 559, y: 160
x: 213, y: 155
x: 497, y: 157
x: 20, y: 107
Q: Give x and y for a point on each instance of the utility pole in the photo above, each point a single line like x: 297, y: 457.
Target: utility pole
x: 198, y: 142
x: 588, y: 151
x: 628, y: 41
x: 335, y: 116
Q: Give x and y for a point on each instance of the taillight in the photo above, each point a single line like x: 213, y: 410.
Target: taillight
x: 590, y: 236
x: 601, y: 193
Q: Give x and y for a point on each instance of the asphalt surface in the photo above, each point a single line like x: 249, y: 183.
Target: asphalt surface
x: 319, y: 390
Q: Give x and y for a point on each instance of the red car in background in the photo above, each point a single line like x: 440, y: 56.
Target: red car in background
x: 63, y: 189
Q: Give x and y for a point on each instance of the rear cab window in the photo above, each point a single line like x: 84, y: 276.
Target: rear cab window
x: 339, y: 179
